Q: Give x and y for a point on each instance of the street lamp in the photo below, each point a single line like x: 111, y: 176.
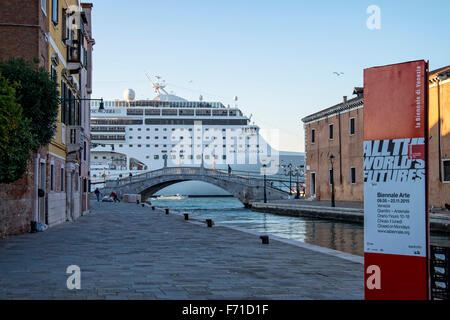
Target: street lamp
x: 286, y: 172
x: 298, y: 172
x: 289, y: 170
x: 265, y: 196
x: 332, y: 181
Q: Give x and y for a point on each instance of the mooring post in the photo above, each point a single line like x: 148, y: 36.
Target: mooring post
x: 264, y: 239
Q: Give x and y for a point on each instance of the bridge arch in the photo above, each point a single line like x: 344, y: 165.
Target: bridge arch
x: 243, y: 188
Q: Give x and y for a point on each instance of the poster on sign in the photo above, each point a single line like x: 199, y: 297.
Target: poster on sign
x: 395, y: 185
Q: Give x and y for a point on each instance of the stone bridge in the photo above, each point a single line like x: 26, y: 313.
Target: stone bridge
x: 246, y: 189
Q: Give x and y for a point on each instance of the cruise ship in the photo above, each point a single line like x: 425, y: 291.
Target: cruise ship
x: 135, y: 136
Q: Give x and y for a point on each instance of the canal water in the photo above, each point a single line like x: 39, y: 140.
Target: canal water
x: 228, y: 211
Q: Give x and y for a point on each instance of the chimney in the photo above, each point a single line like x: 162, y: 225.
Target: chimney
x: 359, y: 91
x: 345, y: 99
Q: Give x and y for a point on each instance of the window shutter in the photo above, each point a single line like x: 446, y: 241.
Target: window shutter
x: 64, y: 26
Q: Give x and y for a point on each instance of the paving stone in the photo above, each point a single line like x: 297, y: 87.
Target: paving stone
x: 125, y: 251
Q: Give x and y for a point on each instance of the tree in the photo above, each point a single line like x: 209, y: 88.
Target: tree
x: 37, y: 93
x: 16, y: 139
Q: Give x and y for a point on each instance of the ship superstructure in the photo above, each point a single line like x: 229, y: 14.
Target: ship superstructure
x: 134, y: 136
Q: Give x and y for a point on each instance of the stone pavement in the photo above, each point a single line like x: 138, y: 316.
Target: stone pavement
x: 126, y: 251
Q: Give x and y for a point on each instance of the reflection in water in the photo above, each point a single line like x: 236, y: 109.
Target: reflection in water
x: 341, y: 236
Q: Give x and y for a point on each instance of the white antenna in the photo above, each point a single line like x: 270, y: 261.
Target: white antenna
x: 157, y: 86
x: 235, y: 100
x: 250, y: 118
x: 200, y: 98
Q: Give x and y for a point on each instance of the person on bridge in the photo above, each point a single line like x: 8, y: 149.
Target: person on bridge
x: 114, y: 196
x: 97, y: 194
x: 229, y: 169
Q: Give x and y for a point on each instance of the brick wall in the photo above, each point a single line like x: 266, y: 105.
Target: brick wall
x: 347, y: 151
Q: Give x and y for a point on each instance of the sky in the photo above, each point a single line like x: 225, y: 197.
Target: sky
x: 277, y: 57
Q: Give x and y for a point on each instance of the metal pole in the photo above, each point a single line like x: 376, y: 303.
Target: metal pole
x: 290, y: 181
x: 332, y: 186
x: 265, y: 196
x: 298, y: 191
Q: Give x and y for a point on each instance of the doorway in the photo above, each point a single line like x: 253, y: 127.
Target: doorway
x: 42, y: 182
x: 313, y: 184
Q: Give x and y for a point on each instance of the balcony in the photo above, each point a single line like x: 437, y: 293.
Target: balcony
x: 75, y: 138
x: 75, y: 53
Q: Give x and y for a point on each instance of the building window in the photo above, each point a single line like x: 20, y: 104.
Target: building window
x: 313, y: 135
x: 44, y: 6
x: 55, y: 10
x: 84, y: 150
x: 352, y: 175
x: 330, y: 131
x: 352, y: 125
x: 52, y: 177
x: 156, y: 157
x: 446, y: 170
x: 331, y: 176
x: 62, y: 179
x: 54, y: 74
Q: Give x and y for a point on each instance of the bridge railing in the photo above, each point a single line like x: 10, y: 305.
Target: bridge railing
x: 223, y: 175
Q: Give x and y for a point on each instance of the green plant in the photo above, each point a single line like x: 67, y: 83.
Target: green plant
x: 16, y: 139
x: 37, y: 93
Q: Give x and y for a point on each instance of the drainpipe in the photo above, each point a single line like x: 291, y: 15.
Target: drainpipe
x: 340, y: 143
x: 439, y: 128
x: 36, y: 187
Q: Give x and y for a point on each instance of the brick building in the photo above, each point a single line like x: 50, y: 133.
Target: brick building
x: 338, y: 131
x: 58, y: 33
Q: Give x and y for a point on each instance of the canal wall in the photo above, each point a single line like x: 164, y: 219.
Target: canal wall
x: 438, y: 222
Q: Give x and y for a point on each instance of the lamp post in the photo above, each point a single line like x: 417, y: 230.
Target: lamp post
x: 289, y: 170
x: 265, y: 196
x: 332, y: 181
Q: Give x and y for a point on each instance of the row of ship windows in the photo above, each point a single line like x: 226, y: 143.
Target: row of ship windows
x: 122, y: 129
x: 185, y: 122
x: 181, y: 138
x: 156, y: 157
x: 181, y: 145
x: 182, y: 129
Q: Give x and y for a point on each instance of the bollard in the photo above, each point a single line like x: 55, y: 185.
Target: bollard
x: 167, y: 211
x: 264, y: 239
x: 209, y: 222
x: 186, y: 216
x: 153, y: 208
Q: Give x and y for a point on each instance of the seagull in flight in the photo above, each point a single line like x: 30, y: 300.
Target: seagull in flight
x: 338, y: 73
